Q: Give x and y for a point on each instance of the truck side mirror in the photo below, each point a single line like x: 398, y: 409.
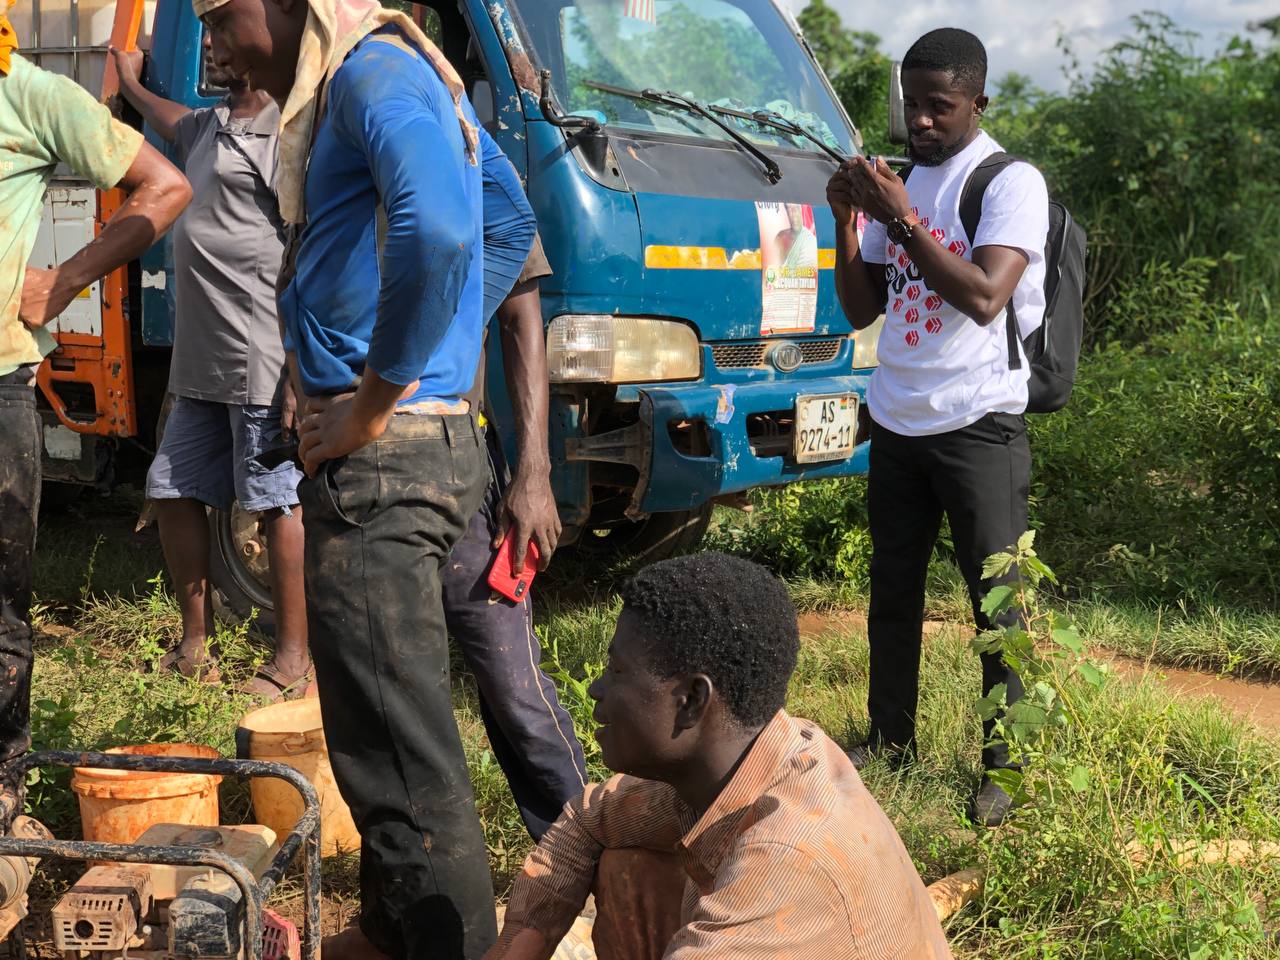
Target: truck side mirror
x: 897, y: 112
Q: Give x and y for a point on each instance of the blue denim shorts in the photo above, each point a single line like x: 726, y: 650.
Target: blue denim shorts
x: 207, y: 454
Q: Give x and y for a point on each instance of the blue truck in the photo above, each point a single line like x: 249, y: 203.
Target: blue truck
x: 676, y: 154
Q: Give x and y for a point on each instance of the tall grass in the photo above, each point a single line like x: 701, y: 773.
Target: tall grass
x: 1061, y: 879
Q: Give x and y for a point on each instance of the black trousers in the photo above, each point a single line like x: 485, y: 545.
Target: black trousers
x: 20, y: 447
x: 979, y: 477
x: 379, y: 527
x: 531, y: 733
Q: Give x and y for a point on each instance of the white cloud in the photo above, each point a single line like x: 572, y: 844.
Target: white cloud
x: 1023, y: 36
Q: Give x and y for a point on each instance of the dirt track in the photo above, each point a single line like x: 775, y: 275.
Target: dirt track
x: 1253, y: 700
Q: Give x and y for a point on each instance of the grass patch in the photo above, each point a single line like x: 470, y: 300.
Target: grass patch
x: 1202, y: 636
x: 88, y: 548
x: 1062, y: 882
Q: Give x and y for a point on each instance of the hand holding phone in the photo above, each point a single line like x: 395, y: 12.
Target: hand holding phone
x: 513, y: 584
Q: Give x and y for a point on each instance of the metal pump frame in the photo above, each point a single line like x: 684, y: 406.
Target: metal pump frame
x: 304, y: 838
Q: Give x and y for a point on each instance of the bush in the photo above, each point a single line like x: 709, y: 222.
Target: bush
x: 815, y: 531
x: 1158, y: 481
x: 1164, y: 156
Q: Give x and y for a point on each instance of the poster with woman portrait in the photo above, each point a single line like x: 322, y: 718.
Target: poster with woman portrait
x: 789, y: 267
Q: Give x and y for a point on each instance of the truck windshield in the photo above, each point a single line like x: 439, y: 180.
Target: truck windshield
x: 737, y: 54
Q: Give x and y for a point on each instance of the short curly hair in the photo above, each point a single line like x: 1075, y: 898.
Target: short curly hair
x: 952, y: 50
x: 722, y: 616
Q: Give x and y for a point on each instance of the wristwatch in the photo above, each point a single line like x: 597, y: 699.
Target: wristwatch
x: 899, y: 229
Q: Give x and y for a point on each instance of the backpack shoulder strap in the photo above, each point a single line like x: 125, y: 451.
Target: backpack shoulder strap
x: 975, y: 188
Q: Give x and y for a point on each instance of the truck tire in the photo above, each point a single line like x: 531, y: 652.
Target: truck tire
x: 238, y: 568
x: 656, y: 537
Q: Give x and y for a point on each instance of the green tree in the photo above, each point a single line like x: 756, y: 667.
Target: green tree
x: 858, y: 70
x: 833, y: 43
x: 1164, y: 155
x: 863, y: 88
x: 1271, y: 25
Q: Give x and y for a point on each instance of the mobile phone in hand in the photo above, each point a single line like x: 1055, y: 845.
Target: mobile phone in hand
x: 513, y: 585
x: 272, y: 457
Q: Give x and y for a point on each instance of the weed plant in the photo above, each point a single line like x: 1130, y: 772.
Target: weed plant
x: 1061, y: 881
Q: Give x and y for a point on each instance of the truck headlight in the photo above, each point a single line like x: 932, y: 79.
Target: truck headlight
x: 592, y: 348
x: 864, y: 345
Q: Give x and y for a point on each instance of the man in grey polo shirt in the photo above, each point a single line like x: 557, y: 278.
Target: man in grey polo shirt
x: 231, y: 400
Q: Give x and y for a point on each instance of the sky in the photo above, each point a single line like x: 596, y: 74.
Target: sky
x: 1022, y: 36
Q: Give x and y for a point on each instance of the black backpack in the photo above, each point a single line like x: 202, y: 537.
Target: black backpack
x: 1053, y: 348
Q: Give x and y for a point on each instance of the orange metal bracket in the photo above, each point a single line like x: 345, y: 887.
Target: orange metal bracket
x: 105, y: 362
x: 124, y: 36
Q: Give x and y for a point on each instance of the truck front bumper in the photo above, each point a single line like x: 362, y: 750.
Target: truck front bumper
x: 696, y: 442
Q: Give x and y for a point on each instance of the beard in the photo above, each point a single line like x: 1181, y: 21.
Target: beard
x: 938, y: 156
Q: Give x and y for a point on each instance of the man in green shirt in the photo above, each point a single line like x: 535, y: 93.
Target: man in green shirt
x: 46, y: 119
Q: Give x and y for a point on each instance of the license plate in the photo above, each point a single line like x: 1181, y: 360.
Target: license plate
x: 825, y: 427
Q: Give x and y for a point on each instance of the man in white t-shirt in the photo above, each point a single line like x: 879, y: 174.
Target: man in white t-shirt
x: 948, y: 434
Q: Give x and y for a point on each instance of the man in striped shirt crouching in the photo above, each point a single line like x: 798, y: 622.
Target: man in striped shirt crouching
x: 732, y: 830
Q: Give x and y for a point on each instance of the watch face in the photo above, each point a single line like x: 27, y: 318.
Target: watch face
x: 898, y: 232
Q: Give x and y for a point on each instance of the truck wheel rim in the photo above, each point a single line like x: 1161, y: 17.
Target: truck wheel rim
x: 242, y: 543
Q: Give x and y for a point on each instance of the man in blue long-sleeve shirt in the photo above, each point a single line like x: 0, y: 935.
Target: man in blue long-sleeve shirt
x: 384, y: 323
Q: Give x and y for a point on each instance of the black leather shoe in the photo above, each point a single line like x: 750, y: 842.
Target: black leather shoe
x: 895, y: 754
x: 990, y: 805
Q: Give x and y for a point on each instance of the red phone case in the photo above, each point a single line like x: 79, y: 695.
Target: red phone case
x: 514, y: 587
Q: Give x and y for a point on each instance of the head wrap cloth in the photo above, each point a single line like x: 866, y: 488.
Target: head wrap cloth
x: 333, y: 28
x: 8, y: 36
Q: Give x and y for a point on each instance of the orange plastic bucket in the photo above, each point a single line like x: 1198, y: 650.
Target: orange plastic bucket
x: 118, y: 806
x: 292, y: 733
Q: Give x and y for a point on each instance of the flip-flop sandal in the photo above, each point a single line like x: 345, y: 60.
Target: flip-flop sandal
x: 178, y: 662
x: 284, y: 688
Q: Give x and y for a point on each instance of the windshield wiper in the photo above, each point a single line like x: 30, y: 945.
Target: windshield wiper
x: 772, y: 172
x: 769, y: 118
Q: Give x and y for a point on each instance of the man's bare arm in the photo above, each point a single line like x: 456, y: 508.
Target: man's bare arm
x: 528, y: 509
x: 979, y: 288
x: 162, y: 115
x: 158, y: 193
x: 553, y: 884
x: 333, y: 427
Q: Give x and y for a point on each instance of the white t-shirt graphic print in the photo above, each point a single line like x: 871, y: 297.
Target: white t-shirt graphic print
x: 939, y: 370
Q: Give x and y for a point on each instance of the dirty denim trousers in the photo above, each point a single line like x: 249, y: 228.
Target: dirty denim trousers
x: 20, y: 447
x: 379, y: 526
x: 531, y: 733
x: 979, y: 477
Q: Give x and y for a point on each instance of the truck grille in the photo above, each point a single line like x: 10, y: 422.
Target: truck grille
x: 729, y: 356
